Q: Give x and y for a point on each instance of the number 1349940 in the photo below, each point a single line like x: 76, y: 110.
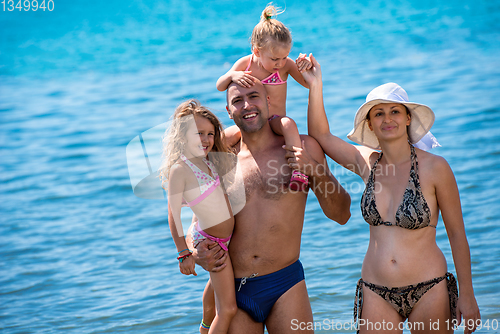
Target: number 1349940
x: 27, y: 5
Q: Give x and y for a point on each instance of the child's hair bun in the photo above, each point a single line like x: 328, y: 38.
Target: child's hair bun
x: 269, y: 32
x: 269, y: 12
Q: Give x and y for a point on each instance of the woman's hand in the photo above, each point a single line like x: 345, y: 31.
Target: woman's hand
x: 468, y: 310
x: 303, y: 62
x: 313, y: 75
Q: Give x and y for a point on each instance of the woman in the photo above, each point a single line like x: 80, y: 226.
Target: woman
x: 404, y: 273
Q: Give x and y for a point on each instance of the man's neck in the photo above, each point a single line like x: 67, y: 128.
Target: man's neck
x: 257, y: 141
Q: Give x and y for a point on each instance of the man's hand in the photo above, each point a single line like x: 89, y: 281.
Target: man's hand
x: 299, y: 159
x: 209, y: 255
x: 313, y: 76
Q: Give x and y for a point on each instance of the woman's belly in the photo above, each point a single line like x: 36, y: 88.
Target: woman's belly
x: 398, y: 257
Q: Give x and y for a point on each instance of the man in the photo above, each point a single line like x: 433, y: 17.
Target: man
x: 265, y: 247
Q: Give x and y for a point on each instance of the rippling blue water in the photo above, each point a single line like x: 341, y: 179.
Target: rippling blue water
x: 80, y: 253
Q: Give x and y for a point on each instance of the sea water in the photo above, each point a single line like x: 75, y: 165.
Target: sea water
x: 80, y: 253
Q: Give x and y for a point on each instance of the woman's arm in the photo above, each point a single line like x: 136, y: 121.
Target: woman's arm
x: 448, y: 200
x: 354, y: 158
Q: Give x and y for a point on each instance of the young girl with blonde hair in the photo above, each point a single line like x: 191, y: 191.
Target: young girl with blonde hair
x: 269, y: 63
x: 194, y: 152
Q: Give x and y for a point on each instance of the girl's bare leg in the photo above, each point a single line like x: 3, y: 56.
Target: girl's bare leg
x: 225, y: 299
x: 208, y: 307
x: 287, y: 128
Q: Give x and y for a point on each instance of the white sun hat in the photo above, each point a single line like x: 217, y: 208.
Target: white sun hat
x: 422, y: 117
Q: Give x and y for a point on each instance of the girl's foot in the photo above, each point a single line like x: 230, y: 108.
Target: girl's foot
x: 299, y: 181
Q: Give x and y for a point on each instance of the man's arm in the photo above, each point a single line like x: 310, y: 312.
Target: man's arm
x: 310, y: 160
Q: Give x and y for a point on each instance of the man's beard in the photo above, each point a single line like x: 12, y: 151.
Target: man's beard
x: 251, y: 128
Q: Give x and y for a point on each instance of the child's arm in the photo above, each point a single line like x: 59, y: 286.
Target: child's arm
x: 232, y: 136
x: 176, y: 186
x: 303, y: 63
x: 237, y: 74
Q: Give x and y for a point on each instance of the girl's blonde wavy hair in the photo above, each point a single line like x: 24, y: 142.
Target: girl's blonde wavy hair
x: 270, y: 33
x: 174, y: 139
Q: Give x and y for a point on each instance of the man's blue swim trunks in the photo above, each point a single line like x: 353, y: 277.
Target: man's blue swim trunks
x: 257, y: 295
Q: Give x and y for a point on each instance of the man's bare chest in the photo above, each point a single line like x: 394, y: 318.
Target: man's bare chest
x: 265, y: 177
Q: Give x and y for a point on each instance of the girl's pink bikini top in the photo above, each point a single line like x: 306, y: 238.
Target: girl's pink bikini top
x: 273, y: 79
x: 206, y: 182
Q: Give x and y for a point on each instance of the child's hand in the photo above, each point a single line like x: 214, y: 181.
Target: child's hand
x: 313, y: 76
x: 243, y: 78
x: 187, y: 266
x: 303, y: 62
